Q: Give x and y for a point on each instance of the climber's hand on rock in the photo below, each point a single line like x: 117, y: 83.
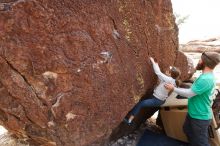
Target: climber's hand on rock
x: 152, y: 60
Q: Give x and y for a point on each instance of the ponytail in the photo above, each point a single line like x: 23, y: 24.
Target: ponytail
x: 178, y: 82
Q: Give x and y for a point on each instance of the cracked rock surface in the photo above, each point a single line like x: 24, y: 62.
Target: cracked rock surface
x: 71, y: 70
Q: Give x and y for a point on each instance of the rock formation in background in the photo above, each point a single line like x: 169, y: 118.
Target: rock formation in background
x: 212, y: 44
x: 71, y: 70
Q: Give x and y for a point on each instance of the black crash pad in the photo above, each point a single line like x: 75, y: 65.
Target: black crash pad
x: 150, y: 138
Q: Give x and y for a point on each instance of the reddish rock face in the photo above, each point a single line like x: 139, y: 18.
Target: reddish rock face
x: 185, y: 64
x: 71, y: 70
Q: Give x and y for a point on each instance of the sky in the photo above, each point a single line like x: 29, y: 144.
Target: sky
x: 203, y: 21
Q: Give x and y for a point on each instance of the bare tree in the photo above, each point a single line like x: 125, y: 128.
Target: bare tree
x: 180, y: 19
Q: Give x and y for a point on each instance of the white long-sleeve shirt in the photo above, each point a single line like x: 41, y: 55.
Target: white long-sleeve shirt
x: 185, y: 92
x: 160, y: 91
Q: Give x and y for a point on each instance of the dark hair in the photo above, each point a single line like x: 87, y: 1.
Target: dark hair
x: 175, y: 72
x: 178, y: 83
x: 210, y: 59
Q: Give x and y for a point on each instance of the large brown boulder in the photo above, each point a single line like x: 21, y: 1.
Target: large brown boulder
x: 71, y: 70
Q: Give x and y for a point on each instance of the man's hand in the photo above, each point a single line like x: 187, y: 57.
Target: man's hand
x: 169, y: 87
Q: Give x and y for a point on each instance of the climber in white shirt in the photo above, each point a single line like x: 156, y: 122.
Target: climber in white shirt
x: 160, y: 92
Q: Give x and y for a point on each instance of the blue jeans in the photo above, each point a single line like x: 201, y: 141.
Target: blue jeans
x: 196, y: 131
x: 151, y: 102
